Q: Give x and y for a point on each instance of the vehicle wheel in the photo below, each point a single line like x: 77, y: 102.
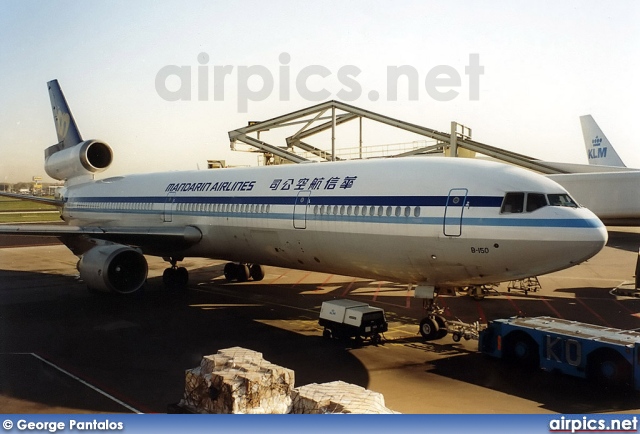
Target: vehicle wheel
x: 429, y: 328
x: 608, y: 367
x: 376, y: 339
x: 256, y: 271
x: 327, y: 333
x: 357, y: 342
x: 521, y: 349
x: 442, y: 326
x: 456, y: 337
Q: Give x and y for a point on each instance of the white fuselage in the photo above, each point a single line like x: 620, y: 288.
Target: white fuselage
x: 613, y: 196
x: 421, y: 220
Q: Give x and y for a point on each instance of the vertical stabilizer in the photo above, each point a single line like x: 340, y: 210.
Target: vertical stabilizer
x: 72, y: 159
x: 599, y: 149
x: 66, y: 128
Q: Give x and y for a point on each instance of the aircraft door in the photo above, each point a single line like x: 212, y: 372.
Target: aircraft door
x: 453, y: 211
x: 169, y: 203
x: 300, y: 210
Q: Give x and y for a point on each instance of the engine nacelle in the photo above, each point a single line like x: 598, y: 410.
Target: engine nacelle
x: 86, y: 158
x: 114, y: 268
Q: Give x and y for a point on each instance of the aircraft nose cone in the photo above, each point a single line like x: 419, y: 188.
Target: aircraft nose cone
x: 593, y: 240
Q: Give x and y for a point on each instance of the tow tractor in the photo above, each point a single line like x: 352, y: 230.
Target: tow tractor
x: 603, y: 354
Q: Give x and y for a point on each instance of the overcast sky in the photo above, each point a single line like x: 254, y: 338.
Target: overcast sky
x: 542, y: 63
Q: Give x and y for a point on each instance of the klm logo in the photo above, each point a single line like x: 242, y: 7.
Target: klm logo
x: 62, y: 123
x: 599, y: 152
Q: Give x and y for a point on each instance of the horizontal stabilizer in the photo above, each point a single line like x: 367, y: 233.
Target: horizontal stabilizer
x: 44, y: 200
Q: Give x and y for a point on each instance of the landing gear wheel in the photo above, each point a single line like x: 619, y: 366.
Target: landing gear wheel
x: 169, y: 277
x: 429, y: 328
x: 175, y: 278
x: 442, y: 326
x: 230, y: 271
x: 243, y: 272
x: 182, y: 277
x: 256, y: 271
x: 239, y: 272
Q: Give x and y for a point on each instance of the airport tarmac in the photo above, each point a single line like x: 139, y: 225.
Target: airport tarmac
x: 65, y: 349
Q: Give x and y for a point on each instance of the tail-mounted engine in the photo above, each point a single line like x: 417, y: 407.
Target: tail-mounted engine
x: 114, y: 268
x: 85, y: 158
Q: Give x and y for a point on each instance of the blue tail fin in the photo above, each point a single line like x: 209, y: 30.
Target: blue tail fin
x: 66, y: 128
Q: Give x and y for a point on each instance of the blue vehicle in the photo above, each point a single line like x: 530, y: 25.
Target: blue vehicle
x: 606, y: 355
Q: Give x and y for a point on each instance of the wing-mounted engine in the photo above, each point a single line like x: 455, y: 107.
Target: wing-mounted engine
x: 113, y: 268
x: 86, y: 158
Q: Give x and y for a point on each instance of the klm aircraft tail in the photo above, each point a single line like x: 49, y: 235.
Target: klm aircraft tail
x: 599, y: 150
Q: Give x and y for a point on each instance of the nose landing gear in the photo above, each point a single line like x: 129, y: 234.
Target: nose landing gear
x: 434, y: 325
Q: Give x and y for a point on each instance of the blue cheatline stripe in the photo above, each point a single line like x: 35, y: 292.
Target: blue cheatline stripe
x: 475, y: 201
x: 401, y: 220
x: 555, y: 223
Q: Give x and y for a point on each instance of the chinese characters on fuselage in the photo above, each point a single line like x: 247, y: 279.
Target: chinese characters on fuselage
x: 280, y: 184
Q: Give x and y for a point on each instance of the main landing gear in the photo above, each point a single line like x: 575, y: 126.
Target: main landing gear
x: 175, y: 277
x: 242, y: 272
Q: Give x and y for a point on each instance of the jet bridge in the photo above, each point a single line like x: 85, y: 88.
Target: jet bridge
x: 331, y: 114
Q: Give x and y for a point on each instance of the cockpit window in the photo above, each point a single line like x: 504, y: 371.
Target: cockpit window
x: 513, y: 203
x: 535, y: 201
x: 518, y: 202
x: 562, y: 199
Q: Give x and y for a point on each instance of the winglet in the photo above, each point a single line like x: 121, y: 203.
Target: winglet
x: 599, y: 150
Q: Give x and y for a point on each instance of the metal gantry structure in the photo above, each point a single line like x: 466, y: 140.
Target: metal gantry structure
x: 329, y: 115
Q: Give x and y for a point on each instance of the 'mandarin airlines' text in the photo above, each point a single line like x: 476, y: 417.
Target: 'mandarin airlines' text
x: 208, y: 186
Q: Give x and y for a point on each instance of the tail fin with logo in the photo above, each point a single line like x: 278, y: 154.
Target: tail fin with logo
x: 72, y: 157
x: 599, y: 150
x: 66, y: 128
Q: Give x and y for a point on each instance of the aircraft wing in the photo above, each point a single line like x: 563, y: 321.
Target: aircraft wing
x: 44, y: 200
x: 145, y: 237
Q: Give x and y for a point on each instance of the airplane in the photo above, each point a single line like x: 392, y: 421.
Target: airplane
x: 434, y: 222
x: 600, y: 152
x: 606, y: 186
